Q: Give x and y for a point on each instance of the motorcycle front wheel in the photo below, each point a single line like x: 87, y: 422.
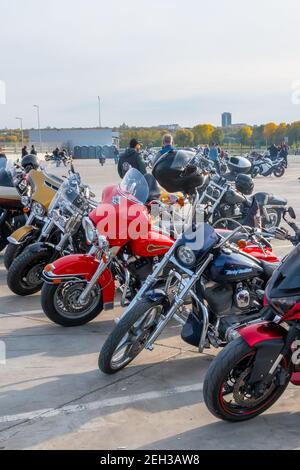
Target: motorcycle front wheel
x: 274, y: 219
x: 226, y: 391
x: 129, y: 336
x: 60, y: 303
x: 24, y: 276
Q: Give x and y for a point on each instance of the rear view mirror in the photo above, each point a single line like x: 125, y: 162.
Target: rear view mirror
x: 292, y: 213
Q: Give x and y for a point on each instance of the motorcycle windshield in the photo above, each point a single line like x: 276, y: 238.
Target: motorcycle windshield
x: 134, y: 186
x: 52, y: 171
x: 68, y: 195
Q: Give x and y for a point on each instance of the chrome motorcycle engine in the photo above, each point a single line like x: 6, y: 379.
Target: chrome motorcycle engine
x: 242, y: 297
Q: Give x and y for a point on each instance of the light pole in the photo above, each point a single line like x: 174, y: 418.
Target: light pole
x: 39, y: 125
x: 21, y: 126
x: 99, y: 103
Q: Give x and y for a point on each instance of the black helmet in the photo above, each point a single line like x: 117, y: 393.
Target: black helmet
x: 174, y: 172
x: 244, y: 184
x: 30, y: 162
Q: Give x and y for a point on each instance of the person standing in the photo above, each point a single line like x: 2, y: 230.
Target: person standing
x: 206, y: 151
x: 116, y: 154
x: 24, y: 151
x: 214, y: 157
x: 167, y: 145
x: 33, y: 151
x: 132, y: 158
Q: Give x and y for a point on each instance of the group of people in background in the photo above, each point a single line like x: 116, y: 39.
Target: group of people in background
x: 25, y: 151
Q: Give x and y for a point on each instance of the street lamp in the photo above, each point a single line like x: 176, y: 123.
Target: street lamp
x: 99, y: 103
x: 21, y: 126
x: 39, y: 124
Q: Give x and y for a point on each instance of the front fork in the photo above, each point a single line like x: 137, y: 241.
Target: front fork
x: 103, y: 265
x: 179, y: 302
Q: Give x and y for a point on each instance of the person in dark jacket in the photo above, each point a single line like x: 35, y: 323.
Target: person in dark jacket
x: 33, y: 151
x: 24, y: 151
x: 273, y: 152
x: 131, y: 158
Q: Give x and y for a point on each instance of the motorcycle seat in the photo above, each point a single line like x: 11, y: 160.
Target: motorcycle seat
x: 268, y: 268
x: 266, y: 198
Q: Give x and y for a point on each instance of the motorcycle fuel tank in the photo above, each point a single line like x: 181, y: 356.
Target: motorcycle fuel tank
x: 233, y: 267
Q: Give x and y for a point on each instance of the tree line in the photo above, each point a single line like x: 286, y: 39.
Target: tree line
x: 265, y: 134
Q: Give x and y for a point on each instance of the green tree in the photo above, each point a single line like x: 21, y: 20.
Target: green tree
x: 218, y: 136
x: 184, y: 138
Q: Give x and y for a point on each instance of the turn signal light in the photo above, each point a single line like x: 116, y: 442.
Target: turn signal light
x: 26, y: 210
x: 242, y: 244
x: 49, y: 268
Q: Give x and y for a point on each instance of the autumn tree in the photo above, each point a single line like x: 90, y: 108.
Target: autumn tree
x: 184, y: 138
x: 203, y: 134
x: 270, y: 132
x: 245, y: 134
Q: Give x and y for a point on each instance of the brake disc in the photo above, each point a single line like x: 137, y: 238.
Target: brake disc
x: 242, y: 397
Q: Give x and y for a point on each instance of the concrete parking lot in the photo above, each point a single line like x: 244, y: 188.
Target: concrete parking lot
x: 52, y: 395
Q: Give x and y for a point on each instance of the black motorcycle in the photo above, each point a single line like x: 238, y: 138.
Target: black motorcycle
x: 205, y: 283
x: 13, y: 186
x: 227, y: 203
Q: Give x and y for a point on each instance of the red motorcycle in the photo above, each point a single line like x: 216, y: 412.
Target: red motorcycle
x: 253, y: 371
x: 125, y: 249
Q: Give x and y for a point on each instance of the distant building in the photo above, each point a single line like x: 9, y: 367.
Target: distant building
x: 170, y: 127
x: 226, y: 119
x: 74, y: 137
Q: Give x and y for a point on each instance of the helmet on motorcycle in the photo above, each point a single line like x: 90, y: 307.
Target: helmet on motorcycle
x: 175, y: 172
x: 239, y: 165
x: 30, y: 162
x: 244, y: 184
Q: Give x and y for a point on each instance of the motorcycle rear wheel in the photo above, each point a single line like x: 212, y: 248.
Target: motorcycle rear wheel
x: 279, y: 172
x: 131, y: 333
x: 55, y: 303
x: 225, y: 386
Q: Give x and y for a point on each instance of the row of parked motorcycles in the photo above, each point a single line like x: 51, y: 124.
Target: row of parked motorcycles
x: 210, y: 273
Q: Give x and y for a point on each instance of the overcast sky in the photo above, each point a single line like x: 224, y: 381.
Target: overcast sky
x: 151, y: 61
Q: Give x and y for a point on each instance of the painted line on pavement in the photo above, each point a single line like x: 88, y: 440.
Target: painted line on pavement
x: 96, y: 405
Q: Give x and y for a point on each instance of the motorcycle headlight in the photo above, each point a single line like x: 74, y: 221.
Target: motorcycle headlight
x: 186, y: 256
x: 90, y: 231
x: 38, y: 209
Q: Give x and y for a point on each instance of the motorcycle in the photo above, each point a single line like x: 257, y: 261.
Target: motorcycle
x: 252, y: 372
x: 73, y: 283
x: 61, y: 234
x: 226, y: 204
x: 78, y: 287
x: 264, y: 166
x: 203, y: 282
x: 13, y: 186
x: 43, y: 187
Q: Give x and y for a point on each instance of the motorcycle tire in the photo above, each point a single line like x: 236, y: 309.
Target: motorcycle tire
x: 11, y: 253
x: 124, y: 326
x: 279, y: 172
x: 220, y: 369
x: 49, y: 306
x: 24, y: 275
